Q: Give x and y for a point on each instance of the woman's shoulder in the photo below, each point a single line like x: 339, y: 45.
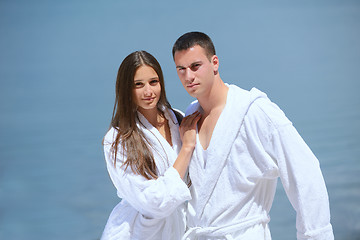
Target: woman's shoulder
x: 110, y: 136
x: 179, y: 115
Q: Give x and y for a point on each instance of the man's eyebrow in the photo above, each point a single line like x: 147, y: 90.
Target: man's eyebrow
x: 192, y: 64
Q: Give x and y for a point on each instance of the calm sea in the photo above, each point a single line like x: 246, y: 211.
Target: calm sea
x: 58, y: 63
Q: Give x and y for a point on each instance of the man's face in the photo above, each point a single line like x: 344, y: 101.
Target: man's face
x: 195, y: 70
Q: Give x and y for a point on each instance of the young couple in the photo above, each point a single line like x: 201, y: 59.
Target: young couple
x: 215, y: 175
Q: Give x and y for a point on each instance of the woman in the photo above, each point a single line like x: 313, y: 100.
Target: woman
x: 144, y: 155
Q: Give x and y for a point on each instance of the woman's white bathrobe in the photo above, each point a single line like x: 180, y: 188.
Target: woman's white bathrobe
x: 149, y: 209
x: 234, y: 180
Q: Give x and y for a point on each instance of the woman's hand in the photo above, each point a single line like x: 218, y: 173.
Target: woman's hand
x: 188, y: 130
x: 188, y: 138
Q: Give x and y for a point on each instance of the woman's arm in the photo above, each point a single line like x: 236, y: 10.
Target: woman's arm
x: 156, y: 198
x: 188, y: 138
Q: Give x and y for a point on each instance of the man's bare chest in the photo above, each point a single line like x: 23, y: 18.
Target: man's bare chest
x: 206, y: 128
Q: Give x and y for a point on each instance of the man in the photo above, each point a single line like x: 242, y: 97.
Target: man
x: 245, y: 142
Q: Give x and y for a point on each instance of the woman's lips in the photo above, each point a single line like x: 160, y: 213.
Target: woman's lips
x: 149, y: 99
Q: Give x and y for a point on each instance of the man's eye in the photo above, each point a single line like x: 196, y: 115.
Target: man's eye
x: 195, y: 67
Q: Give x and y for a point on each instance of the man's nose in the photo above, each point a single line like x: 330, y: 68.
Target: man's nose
x: 189, y: 75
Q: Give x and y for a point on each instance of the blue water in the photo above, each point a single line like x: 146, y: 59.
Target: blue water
x: 58, y: 63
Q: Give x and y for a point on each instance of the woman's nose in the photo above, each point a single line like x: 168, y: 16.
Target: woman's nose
x: 147, y: 90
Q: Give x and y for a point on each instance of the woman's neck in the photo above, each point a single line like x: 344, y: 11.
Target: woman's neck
x: 158, y: 120
x: 154, y: 116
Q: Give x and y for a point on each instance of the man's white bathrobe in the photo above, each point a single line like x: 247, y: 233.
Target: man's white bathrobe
x: 149, y: 209
x: 234, y: 179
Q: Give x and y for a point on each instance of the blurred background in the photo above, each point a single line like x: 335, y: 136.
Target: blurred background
x: 58, y: 64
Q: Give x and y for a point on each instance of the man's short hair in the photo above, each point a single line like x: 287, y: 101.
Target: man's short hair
x: 191, y: 39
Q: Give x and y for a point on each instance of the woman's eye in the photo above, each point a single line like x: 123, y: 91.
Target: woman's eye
x: 154, y: 82
x: 138, y: 84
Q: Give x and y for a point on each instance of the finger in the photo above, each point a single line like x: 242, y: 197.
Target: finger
x: 195, y: 119
x: 189, y: 117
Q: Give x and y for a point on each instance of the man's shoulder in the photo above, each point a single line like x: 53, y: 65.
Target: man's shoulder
x: 246, y: 98
x: 193, y: 106
x: 263, y: 108
x: 253, y: 93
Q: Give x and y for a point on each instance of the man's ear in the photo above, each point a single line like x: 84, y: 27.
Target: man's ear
x: 215, y: 63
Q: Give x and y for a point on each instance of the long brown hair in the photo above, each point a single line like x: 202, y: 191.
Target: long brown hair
x: 133, y: 142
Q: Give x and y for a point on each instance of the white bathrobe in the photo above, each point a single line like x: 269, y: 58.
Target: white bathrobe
x: 234, y: 179
x: 149, y: 209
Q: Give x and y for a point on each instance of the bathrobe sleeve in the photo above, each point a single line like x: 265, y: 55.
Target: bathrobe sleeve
x: 298, y: 168
x: 152, y: 198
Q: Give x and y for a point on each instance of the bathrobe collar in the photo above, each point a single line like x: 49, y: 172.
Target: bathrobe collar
x: 161, y: 147
x: 205, y: 177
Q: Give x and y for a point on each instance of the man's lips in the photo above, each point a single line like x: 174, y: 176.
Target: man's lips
x: 192, y: 85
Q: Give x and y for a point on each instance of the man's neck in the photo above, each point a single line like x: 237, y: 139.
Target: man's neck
x: 215, y: 98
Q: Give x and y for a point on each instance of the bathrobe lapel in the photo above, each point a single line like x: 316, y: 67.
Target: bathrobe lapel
x: 166, y: 153
x: 205, y: 177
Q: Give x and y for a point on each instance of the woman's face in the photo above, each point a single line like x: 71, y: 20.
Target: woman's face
x: 147, y: 89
